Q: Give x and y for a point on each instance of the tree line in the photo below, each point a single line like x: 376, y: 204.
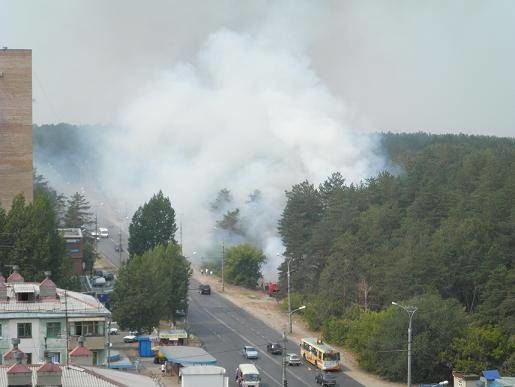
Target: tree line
x: 438, y: 233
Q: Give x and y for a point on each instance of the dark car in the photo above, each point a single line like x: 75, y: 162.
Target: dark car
x: 274, y: 348
x: 325, y: 379
x: 109, y: 276
x: 205, y: 289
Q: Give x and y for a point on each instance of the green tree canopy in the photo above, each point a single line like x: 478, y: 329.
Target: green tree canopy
x: 152, y: 224
x: 243, y: 265
x: 151, y: 287
x: 78, y: 213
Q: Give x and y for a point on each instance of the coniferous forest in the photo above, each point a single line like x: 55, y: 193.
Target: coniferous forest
x: 437, y: 233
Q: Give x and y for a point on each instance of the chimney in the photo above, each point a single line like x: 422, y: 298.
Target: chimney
x: 49, y: 374
x: 3, y: 289
x: 80, y: 355
x: 15, y: 276
x: 19, y: 374
x: 9, y: 357
x: 47, y: 288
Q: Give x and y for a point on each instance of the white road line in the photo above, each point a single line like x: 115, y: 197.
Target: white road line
x: 264, y: 353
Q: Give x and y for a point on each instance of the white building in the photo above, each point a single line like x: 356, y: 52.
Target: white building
x: 203, y: 376
x: 36, y: 314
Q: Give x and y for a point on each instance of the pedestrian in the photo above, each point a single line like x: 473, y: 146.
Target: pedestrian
x: 163, y: 369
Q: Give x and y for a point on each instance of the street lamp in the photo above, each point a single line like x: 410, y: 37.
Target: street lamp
x: 285, y: 381
x: 288, y: 261
x: 411, y: 311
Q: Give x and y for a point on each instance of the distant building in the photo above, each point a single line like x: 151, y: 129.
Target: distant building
x: 37, y: 314
x: 15, y: 125
x: 75, y: 245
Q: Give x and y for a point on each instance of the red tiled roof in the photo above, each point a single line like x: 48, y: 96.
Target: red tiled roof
x: 15, y: 277
x: 47, y: 283
x: 81, y: 351
x: 11, y: 352
x: 49, y: 367
x: 19, y: 369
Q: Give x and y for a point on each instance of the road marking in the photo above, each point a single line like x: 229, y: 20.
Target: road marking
x: 264, y: 353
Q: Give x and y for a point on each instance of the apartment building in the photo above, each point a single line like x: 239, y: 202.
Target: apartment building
x: 46, y: 318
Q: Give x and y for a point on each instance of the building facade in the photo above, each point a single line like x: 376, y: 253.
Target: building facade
x: 38, y: 315
x: 75, y: 246
x: 15, y: 125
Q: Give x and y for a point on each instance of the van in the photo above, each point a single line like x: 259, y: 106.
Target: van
x: 248, y: 376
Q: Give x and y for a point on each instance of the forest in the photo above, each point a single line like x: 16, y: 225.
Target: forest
x: 435, y: 231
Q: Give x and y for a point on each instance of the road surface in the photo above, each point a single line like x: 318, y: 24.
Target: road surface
x: 225, y: 328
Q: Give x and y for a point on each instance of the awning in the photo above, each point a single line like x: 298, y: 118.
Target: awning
x: 77, y: 319
x: 173, y: 334
x: 185, y: 355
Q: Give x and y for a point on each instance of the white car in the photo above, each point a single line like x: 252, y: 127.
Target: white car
x: 130, y: 339
x: 113, y: 331
x: 250, y: 352
x: 103, y: 232
x: 293, y: 359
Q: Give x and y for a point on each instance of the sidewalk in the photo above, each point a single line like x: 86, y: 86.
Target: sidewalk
x: 267, y: 309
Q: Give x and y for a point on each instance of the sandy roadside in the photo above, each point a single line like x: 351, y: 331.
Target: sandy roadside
x: 267, y: 309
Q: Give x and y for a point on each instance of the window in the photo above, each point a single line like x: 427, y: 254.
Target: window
x: 29, y: 358
x: 89, y: 328
x: 0, y: 330
x: 53, y: 330
x: 24, y: 330
x: 55, y: 357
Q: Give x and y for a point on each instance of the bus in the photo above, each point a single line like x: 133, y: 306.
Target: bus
x: 320, y: 354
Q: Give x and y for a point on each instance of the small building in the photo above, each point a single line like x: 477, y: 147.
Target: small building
x: 75, y: 246
x: 182, y: 356
x: 35, y: 316
x: 176, y: 336
x: 203, y: 376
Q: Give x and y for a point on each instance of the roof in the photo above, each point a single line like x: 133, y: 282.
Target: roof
x: 9, y: 354
x: 247, y: 368
x: 47, y: 283
x: 81, y: 351
x: 186, y: 355
x: 49, y: 367
x: 128, y: 379
x: 319, y: 344
x: 72, y: 376
x: 173, y: 334
x: 71, y: 232
x: 76, y: 304
x: 15, y: 277
x: 203, y: 370
x: 18, y: 369
x: 491, y: 374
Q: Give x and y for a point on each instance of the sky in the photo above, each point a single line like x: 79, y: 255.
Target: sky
x: 437, y: 66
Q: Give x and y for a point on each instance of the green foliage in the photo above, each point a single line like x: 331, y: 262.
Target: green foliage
x: 152, y: 224
x: 443, y: 225
x: 29, y: 239
x: 242, y: 265
x: 151, y: 287
x: 480, y: 348
x: 77, y: 214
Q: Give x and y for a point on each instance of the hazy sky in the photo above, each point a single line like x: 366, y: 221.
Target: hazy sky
x: 439, y: 66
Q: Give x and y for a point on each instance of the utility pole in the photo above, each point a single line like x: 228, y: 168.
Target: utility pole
x: 285, y: 382
x: 411, y: 311
x: 289, y: 298
x: 120, y: 245
x: 66, y: 327
x: 223, y: 259
x: 180, y: 230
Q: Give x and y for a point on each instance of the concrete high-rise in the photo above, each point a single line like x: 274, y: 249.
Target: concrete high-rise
x: 15, y: 125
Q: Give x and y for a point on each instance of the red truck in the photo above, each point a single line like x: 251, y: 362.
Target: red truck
x: 272, y: 288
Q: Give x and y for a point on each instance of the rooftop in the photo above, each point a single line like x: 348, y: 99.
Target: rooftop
x: 186, y: 355
x: 203, y: 370
x: 71, y: 232
x: 76, y: 304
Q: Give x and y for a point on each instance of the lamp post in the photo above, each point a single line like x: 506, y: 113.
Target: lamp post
x: 285, y: 381
x: 411, y: 311
x: 223, y: 259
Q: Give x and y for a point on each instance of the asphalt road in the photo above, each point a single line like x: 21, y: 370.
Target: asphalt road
x: 106, y: 247
x: 225, y: 328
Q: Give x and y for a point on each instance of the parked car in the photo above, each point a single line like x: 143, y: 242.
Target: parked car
x: 98, y: 273
x: 118, y: 248
x: 113, y: 331
x: 205, y: 289
x: 103, y: 232
x: 250, y: 352
x: 130, y: 338
x: 293, y: 359
x: 99, y: 281
x: 274, y: 348
x: 325, y: 379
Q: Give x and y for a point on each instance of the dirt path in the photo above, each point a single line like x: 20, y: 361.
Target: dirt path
x: 267, y: 309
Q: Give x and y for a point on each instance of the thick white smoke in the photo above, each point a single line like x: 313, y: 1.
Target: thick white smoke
x: 248, y: 113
